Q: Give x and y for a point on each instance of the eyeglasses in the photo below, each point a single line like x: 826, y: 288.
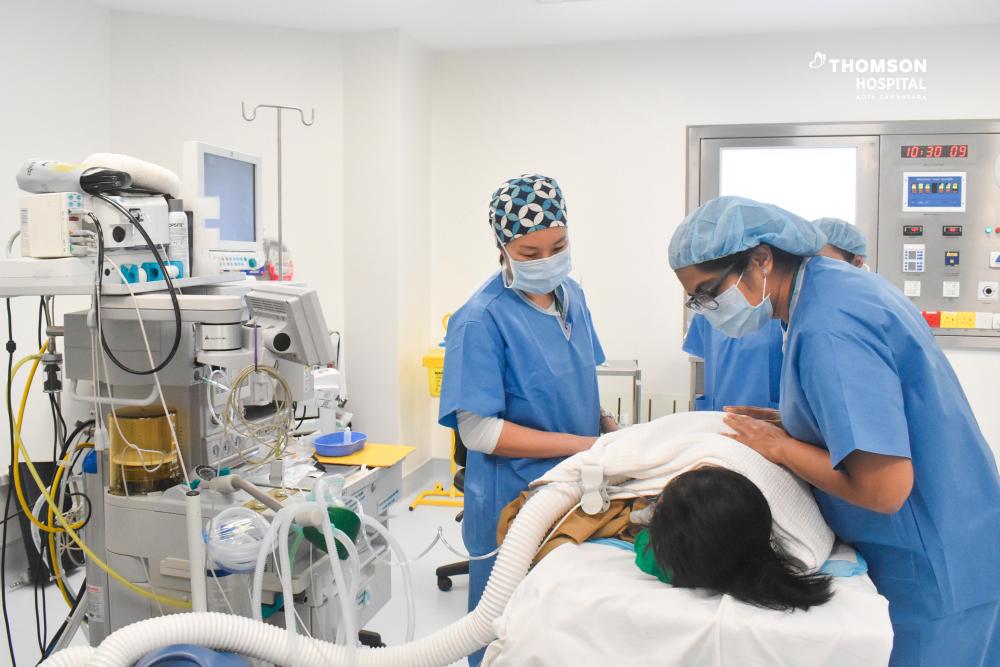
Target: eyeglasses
x: 704, y: 297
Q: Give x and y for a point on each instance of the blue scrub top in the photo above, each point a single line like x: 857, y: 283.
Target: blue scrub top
x: 507, y: 358
x: 738, y: 371
x: 863, y: 372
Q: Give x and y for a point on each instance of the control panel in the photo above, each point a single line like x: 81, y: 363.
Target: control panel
x: 228, y: 261
x: 939, y: 230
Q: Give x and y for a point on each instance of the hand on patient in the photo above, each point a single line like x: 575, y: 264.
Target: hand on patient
x: 765, y: 414
x: 608, y: 424
x: 763, y: 437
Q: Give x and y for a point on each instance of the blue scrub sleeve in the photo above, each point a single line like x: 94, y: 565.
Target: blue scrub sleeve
x: 694, y: 342
x: 473, y: 373
x: 854, y: 391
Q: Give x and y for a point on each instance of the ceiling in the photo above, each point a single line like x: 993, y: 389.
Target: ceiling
x: 468, y: 24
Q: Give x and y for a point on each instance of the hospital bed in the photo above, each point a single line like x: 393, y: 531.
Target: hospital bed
x: 589, y: 600
x: 589, y: 603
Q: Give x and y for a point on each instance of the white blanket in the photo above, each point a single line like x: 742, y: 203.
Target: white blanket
x: 642, y: 459
x: 590, y: 605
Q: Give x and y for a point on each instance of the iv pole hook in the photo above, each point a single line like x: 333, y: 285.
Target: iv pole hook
x: 278, y: 108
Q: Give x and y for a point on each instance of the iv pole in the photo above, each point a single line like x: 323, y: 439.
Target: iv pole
x: 302, y: 116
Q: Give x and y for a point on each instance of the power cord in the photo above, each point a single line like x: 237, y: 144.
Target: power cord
x: 11, y: 348
x: 166, y: 276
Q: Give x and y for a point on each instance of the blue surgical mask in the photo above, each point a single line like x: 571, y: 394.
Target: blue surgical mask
x: 538, y: 276
x: 735, y: 317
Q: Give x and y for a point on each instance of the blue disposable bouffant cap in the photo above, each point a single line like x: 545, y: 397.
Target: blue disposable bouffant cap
x: 727, y: 225
x: 842, y: 234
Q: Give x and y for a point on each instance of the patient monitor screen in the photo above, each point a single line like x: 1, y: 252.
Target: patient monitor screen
x: 233, y: 182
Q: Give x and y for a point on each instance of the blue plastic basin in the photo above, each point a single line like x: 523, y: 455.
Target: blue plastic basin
x: 332, y: 444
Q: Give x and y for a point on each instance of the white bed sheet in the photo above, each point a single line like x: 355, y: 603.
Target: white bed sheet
x: 590, y: 605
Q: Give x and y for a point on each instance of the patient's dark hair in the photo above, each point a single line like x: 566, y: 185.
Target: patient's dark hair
x: 712, y: 529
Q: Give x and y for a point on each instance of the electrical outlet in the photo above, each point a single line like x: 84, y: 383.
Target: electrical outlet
x: 966, y: 320
x: 949, y: 319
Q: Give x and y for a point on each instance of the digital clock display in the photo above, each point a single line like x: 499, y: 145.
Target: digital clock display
x: 935, y: 151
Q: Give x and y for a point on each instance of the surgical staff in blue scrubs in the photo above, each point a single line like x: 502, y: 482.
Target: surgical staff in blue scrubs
x: 746, y: 371
x: 520, y: 372
x: 843, y: 241
x: 738, y: 371
x: 874, y: 419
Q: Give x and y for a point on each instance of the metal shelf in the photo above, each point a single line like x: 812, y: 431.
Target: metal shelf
x: 159, y: 285
x: 75, y: 275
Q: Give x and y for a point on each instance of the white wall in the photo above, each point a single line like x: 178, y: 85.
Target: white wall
x: 54, y: 105
x: 387, y: 276
x: 178, y: 79
x: 608, y: 121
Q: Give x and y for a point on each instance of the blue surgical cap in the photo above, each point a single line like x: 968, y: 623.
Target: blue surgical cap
x: 727, y: 225
x: 843, y: 235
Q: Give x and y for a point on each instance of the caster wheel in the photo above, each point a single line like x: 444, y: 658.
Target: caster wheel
x: 444, y: 583
x: 412, y: 508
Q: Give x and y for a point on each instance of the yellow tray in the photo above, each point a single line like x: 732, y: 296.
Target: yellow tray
x: 373, y: 455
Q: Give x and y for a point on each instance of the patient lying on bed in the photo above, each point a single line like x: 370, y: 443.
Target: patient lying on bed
x: 711, y: 529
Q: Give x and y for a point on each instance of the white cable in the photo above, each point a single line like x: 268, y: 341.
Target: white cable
x: 142, y: 561
x: 222, y: 592
x: 348, y: 621
x: 210, y: 396
x: 156, y: 376
x: 407, y: 575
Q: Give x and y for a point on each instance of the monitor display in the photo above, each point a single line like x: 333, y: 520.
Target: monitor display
x: 233, y: 182
x: 934, y: 192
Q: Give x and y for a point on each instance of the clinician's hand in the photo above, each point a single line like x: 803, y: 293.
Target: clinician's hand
x: 608, y: 424
x: 766, y: 439
x: 767, y: 414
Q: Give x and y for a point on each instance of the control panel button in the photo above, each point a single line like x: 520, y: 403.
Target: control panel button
x: 913, y: 257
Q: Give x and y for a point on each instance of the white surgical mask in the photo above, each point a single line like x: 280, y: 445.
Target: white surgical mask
x: 538, y: 276
x: 735, y: 317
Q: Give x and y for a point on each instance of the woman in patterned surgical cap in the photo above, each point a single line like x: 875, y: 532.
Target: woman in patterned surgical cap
x: 520, y: 378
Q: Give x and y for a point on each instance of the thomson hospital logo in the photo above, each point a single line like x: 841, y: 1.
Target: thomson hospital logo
x: 878, y: 78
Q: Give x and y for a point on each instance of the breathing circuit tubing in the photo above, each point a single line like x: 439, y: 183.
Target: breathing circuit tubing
x: 265, y: 642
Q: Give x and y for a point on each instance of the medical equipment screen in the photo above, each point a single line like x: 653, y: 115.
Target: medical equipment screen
x: 935, y: 150
x: 233, y: 182
x: 934, y: 192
